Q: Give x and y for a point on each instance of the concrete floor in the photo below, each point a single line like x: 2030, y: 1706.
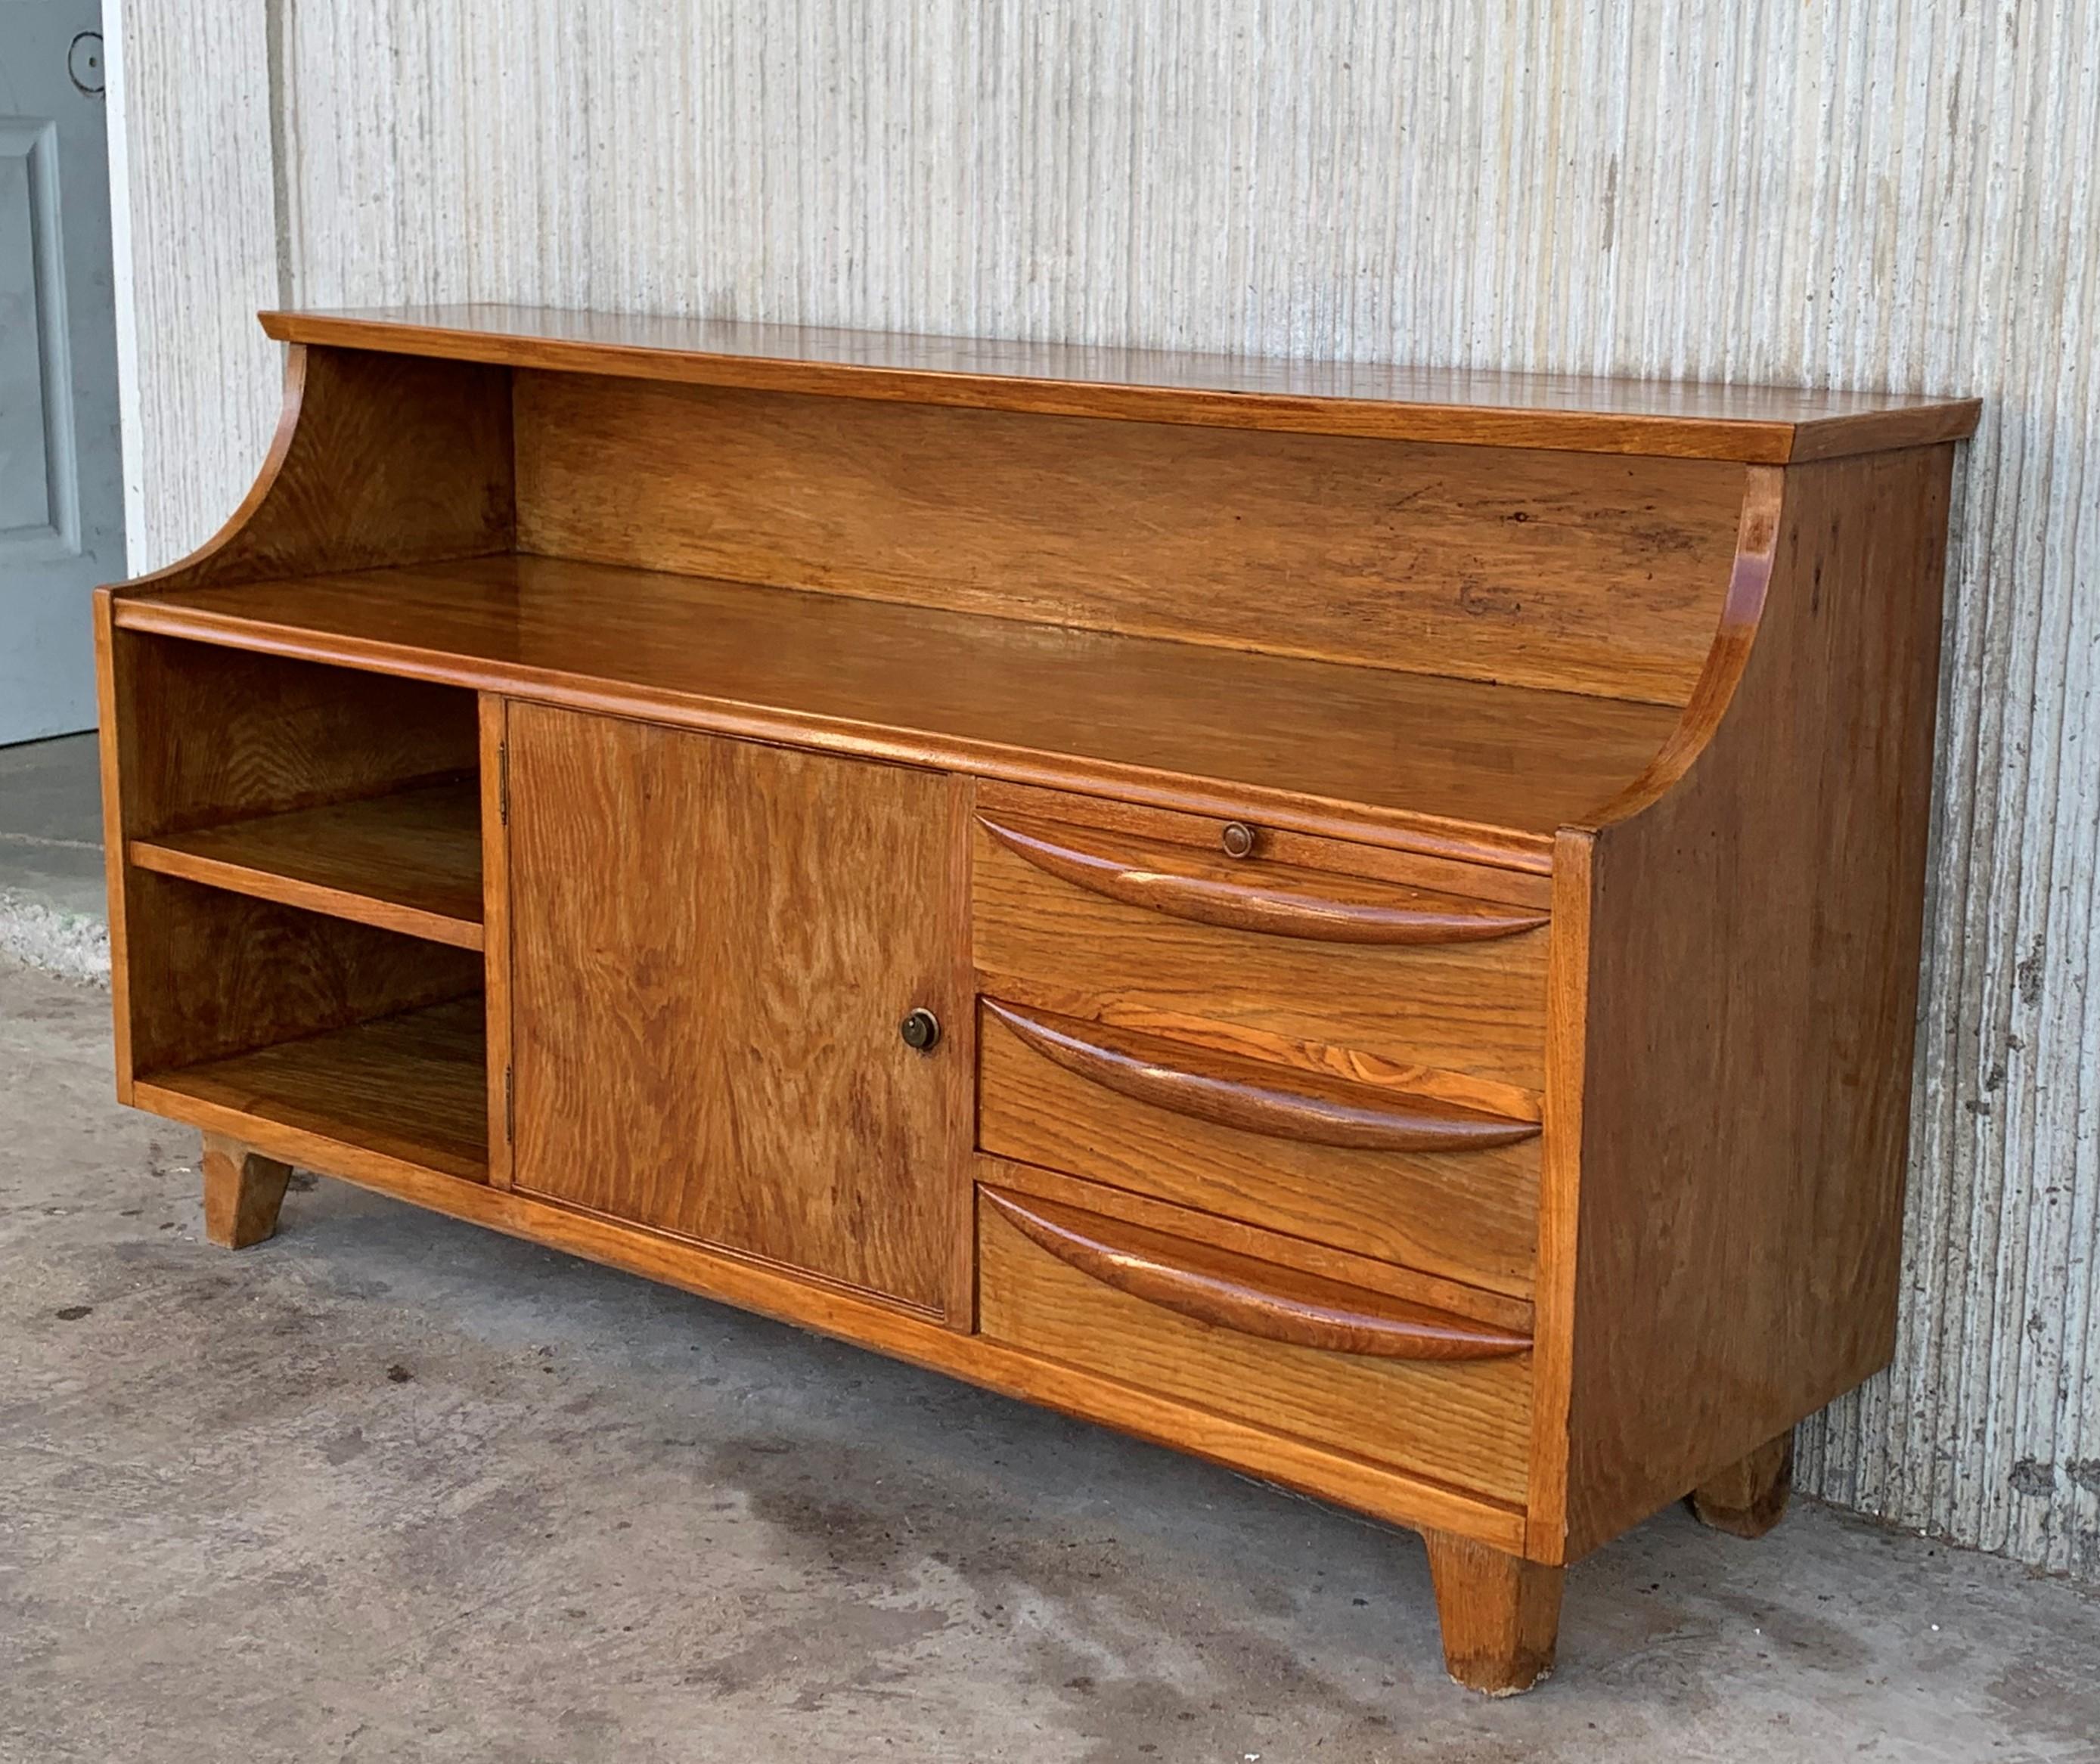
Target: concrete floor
x: 52, y: 909
x: 387, y: 1487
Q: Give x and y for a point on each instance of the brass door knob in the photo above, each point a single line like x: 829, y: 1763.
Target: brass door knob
x: 920, y: 1029
x: 1238, y: 839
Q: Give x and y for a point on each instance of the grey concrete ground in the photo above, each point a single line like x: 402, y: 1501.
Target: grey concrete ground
x: 387, y: 1487
x: 52, y: 913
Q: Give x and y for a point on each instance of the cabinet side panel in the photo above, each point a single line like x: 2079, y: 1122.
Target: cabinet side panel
x: 378, y: 459
x: 115, y: 738
x: 1754, y: 941
x: 1593, y: 574
x: 495, y: 711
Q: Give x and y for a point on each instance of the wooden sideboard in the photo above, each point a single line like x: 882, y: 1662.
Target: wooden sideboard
x: 1361, y: 924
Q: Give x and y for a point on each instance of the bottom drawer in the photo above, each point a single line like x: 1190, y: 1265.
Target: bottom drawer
x: 1422, y: 1391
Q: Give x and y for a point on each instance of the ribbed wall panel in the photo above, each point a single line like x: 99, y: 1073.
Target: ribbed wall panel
x: 196, y: 245
x: 1857, y: 192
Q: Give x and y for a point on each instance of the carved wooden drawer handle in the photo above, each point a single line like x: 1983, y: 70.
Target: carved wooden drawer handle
x: 1236, y: 1292
x: 1256, y: 896
x: 1251, y: 1094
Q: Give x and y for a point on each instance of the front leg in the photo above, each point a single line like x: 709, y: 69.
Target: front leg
x: 1500, y: 1614
x: 242, y: 1192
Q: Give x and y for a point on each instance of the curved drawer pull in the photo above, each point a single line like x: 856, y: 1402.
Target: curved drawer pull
x: 1248, y: 1094
x: 1257, y: 896
x: 1236, y: 1292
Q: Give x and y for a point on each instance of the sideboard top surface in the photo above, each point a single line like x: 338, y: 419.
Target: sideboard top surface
x: 1758, y: 425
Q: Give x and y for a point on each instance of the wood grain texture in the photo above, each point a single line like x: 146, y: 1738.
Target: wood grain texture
x: 960, y: 1031
x: 409, y: 1087
x: 1747, y: 1498
x: 1559, y: 1193
x: 712, y: 1047
x: 1257, y: 1240
x: 1248, y: 893
x: 1749, y: 577
x: 1500, y: 1614
x: 1186, y: 1078
x: 1751, y: 991
x: 1200, y: 1280
x: 1337, y: 861
x: 1476, y: 1009
x: 378, y: 459
x: 118, y: 758
x: 1766, y: 423
x: 1469, y: 1216
x: 409, y: 861
x: 222, y: 734
x: 1474, y: 770
x: 1533, y: 568
x: 213, y: 973
x: 243, y: 1190
x: 1462, y: 1424
x: 495, y: 929
x: 196, y: 735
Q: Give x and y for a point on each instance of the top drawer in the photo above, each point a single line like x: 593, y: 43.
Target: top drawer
x: 1363, y: 963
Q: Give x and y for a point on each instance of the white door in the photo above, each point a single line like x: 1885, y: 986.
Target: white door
x: 61, y: 476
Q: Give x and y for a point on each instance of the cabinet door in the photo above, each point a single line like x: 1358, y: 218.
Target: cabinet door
x: 713, y: 946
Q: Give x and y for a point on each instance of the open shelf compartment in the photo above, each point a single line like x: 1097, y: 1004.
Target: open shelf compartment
x: 333, y: 789
x: 408, y: 860
x: 413, y: 1085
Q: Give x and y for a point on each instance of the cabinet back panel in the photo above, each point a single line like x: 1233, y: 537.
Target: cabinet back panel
x: 1538, y: 568
x: 213, y: 974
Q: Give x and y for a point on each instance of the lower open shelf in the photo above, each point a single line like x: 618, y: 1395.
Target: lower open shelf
x: 412, y: 1086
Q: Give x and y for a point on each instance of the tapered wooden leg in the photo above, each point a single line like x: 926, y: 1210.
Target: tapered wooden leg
x: 1746, y: 1499
x: 242, y: 1192
x: 1501, y: 1615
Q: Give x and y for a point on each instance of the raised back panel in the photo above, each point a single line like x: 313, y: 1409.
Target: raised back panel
x: 1601, y: 575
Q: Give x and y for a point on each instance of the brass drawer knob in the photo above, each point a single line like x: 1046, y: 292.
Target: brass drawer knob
x: 1238, y: 839
x: 920, y: 1029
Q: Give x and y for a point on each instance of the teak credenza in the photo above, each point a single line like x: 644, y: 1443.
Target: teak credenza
x: 1361, y: 924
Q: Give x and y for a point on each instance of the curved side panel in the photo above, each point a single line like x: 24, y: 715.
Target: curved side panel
x: 1741, y: 610
x: 376, y: 460
x: 1747, y: 1006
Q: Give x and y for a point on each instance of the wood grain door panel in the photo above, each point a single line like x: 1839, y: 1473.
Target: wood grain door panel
x: 713, y: 942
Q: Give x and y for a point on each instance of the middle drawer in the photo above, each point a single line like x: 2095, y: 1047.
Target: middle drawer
x: 1450, y: 1192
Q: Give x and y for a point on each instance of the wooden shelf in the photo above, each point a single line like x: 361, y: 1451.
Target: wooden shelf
x: 412, y: 1086
x: 408, y: 861
x: 1681, y: 419
x: 1496, y: 768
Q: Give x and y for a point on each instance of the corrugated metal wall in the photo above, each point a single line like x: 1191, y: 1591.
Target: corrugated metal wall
x: 1865, y: 192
